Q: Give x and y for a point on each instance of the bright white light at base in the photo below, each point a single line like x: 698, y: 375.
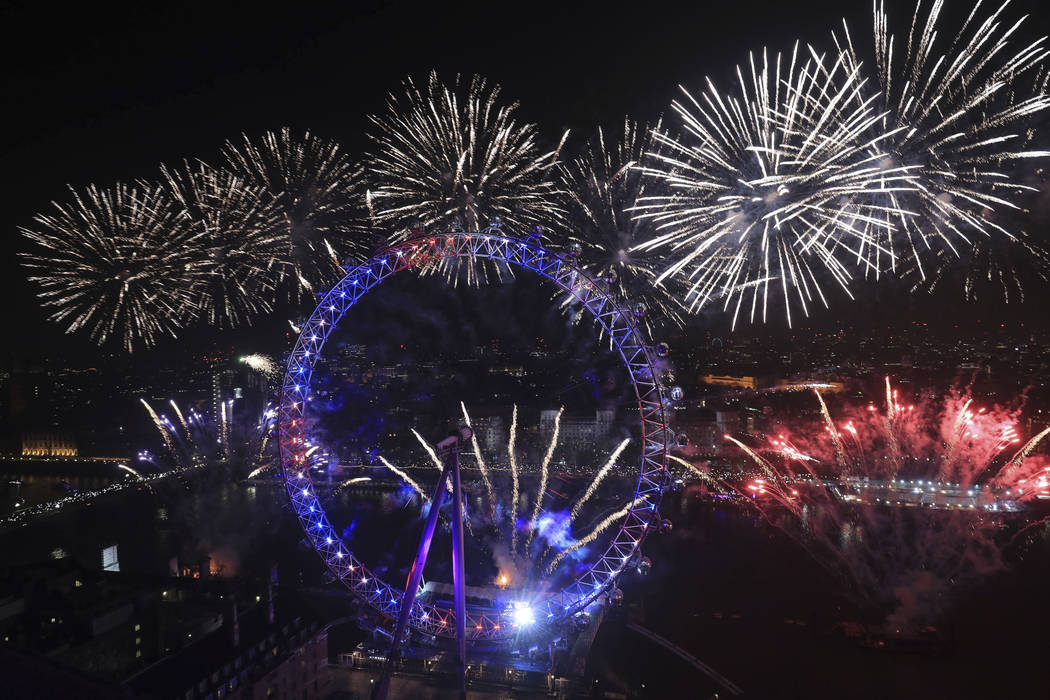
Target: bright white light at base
x: 523, y: 615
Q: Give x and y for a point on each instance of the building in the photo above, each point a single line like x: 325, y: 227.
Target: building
x: 491, y: 434
x: 578, y: 433
x: 247, y: 657
x: 48, y: 444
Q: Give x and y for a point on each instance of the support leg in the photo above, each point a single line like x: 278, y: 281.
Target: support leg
x: 412, y: 587
x: 458, y: 571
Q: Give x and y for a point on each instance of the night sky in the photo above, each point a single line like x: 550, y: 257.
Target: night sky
x: 101, y: 92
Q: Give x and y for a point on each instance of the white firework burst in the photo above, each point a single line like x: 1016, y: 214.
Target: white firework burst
x: 767, y: 185
x: 122, y: 262
x: 603, y: 187
x: 956, y: 109
x: 319, y: 192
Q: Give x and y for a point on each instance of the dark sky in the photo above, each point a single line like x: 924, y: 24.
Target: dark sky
x: 101, y: 91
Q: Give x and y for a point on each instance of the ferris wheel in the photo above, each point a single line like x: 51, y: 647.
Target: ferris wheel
x: 617, y: 321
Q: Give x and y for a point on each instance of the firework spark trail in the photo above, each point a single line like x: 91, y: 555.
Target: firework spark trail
x: 448, y: 482
x: 599, y: 528
x: 789, y: 451
x: 182, y: 420
x: 962, y: 419
x: 256, y: 472
x: 593, y: 486
x: 891, y: 400
x: 433, y: 457
x: 704, y: 475
x: 131, y: 471
x: 1009, y: 473
x: 262, y: 446
x: 836, y: 439
x: 764, y: 464
x: 1023, y: 453
x: 263, y: 364
x: 160, y: 425
x: 762, y: 487
x: 513, y: 457
x: 544, y: 475
x: 224, y: 437
x: 892, y: 413
x: 265, y: 427
x: 480, y: 461
x: 351, y: 482
x: 405, y: 477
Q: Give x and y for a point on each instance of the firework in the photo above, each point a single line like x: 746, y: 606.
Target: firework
x: 513, y: 457
x: 765, y: 188
x: 1026, y: 451
x: 317, y: 189
x: 763, y: 464
x: 955, y: 110
x: 836, y: 439
x: 405, y: 477
x: 256, y: 472
x: 480, y: 460
x: 997, y: 266
x: 550, y: 529
x: 455, y: 157
x: 439, y: 154
x: 240, y: 227
x: 603, y: 187
x: 350, y: 482
x: 157, y: 422
x: 913, y: 493
x: 703, y: 474
x: 131, y: 471
x: 593, y: 534
x: 178, y: 414
x: 433, y: 458
x: 204, y: 442
x: 263, y: 364
x: 122, y: 263
x: 597, y: 480
x: 265, y: 426
x: 949, y: 441
x: 441, y: 468
x: 544, y: 475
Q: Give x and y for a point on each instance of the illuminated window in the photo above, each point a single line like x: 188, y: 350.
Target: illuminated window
x: 137, y: 627
x: 138, y: 653
x: 109, y: 559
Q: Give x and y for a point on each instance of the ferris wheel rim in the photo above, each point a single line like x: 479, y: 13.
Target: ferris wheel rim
x: 611, y: 313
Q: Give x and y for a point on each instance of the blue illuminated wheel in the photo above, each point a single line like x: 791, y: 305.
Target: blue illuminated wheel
x: 617, y: 321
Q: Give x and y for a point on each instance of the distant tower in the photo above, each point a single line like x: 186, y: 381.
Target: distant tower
x: 233, y: 627
x: 216, y: 395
